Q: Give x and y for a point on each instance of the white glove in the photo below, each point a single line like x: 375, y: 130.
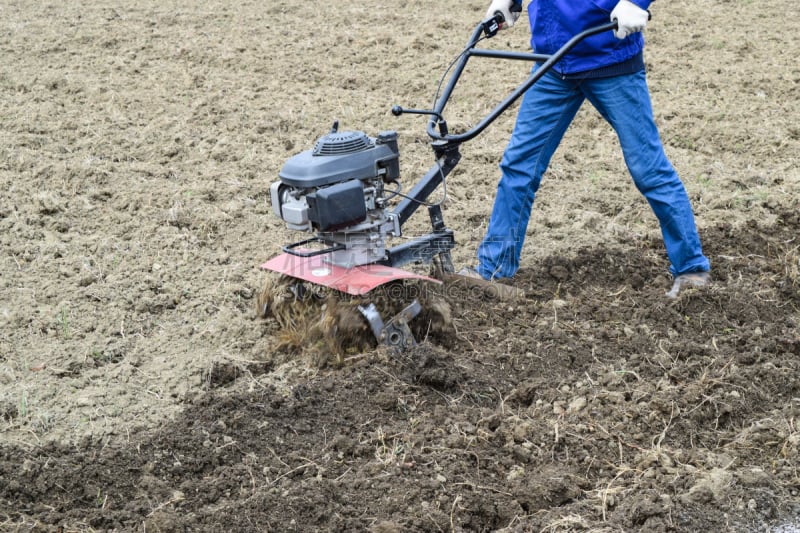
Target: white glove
x: 503, y: 7
x: 630, y: 18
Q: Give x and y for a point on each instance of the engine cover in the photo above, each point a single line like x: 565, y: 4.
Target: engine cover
x: 340, y: 156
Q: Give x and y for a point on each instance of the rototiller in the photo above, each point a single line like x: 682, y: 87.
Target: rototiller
x: 346, y: 192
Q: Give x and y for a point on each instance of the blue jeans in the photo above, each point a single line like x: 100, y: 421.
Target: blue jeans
x: 546, y: 112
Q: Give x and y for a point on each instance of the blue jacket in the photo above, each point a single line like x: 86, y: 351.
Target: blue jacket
x: 554, y: 22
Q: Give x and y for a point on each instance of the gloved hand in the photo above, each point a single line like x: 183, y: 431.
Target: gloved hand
x: 630, y: 18
x: 504, y: 7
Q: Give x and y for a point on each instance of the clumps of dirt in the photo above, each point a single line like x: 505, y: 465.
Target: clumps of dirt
x: 326, y: 326
x: 431, y: 366
x: 309, y: 319
x: 221, y: 373
x: 589, y: 404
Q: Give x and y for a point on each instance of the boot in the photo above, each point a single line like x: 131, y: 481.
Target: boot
x: 689, y: 280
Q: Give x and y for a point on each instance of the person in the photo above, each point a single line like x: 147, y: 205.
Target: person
x: 608, y: 70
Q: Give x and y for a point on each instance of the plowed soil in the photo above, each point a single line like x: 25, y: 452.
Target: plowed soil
x: 141, y: 391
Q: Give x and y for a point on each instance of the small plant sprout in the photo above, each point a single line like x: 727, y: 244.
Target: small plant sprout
x: 63, y: 319
x: 23, y: 405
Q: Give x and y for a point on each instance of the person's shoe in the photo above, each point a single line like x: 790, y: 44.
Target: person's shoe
x: 488, y: 287
x: 470, y: 272
x: 690, y: 280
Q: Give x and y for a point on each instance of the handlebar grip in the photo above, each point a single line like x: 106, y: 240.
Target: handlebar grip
x: 515, y: 8
x: 492, y: 25
x: 649, y: 17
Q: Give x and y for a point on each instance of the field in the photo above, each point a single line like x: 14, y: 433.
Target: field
x: 141, y: 391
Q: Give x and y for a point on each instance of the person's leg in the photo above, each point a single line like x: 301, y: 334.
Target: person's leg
x: 547, y: 109
x: 624, y: 101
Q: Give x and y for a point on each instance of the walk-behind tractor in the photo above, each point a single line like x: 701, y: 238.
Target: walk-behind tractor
x: 345, y: 282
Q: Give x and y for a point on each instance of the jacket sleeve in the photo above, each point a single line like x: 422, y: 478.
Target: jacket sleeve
x: 644, y: 4
x: 609, y: 5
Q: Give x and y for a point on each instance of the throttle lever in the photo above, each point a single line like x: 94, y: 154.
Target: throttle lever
x: 492, y: 25
x: 442, y: 123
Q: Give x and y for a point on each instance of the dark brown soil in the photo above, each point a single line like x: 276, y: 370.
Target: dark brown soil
x: 594, y: 403
x: 138, y: 392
